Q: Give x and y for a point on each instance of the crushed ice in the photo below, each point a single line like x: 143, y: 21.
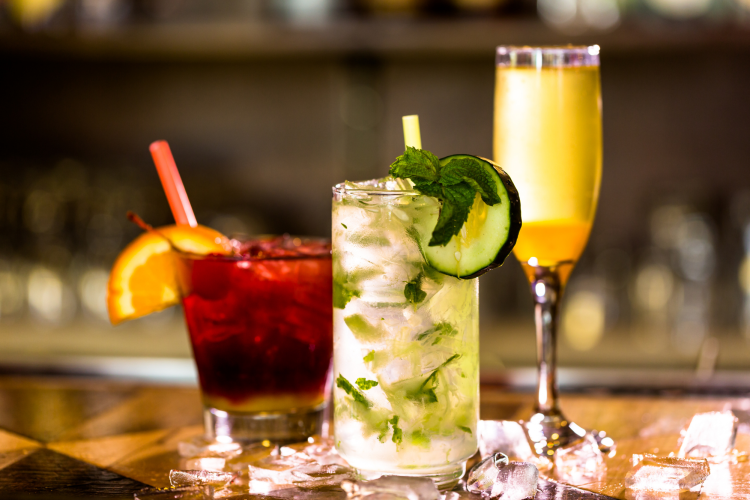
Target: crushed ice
x: 667, y: 474
x: 709, y: 435
x: 392, y: 488
x: 581, y: 460
x: 497, y: 477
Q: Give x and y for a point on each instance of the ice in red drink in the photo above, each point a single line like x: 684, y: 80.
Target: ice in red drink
x: 260, y: 324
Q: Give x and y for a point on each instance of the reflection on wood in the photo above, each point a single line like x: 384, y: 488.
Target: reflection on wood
x: 111, y: 439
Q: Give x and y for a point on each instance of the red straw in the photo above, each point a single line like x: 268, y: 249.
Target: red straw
x: 172, y: 183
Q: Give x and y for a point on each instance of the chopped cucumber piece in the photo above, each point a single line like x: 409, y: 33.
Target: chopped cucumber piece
x: 489, y: 234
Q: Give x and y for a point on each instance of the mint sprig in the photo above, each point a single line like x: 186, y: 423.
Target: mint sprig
x: 398, y: 433
x: 455, y: 185
x: 438, y: 332
x: 348, y: 388
x: 413, y: 290
x: 425, y: 393
x: 365, y: 384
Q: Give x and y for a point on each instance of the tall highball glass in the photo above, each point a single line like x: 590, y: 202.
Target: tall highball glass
x: 405, y: 337
x: 548, y: 137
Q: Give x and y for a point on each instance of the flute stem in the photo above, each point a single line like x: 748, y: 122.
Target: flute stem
x: 548, y: 428
x: 546, y: 291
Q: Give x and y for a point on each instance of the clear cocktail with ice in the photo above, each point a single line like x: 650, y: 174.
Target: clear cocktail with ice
x: 406, y: 340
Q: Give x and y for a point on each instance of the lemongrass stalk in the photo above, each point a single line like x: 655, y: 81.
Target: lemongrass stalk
x: 412, y: 138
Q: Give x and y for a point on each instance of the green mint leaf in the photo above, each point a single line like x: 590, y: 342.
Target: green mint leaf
x: 370, y: 356
x: 348, y: 388
x: 442, y: 329
x: 465, y: 429
x: 471, y: 172
x: 461, y: 195
x: 413, y: 291
x: 342, y: 295
x: 344, y: 225
x: 426, y: 391
x: 449, y: 223
x: 416, y: 164
x: 398, y: 434
x: 447, y: 361
x: 365, y: 384
x: 429, y: 188
x: 454, y: 185
x: 383, y: 426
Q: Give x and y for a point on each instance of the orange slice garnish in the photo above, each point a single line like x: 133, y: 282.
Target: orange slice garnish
x: 144, y: 280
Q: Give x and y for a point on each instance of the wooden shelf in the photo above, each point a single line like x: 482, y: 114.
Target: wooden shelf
x: 231, y: 40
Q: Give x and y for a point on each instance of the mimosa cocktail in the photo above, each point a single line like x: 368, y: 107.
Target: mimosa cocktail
x: 548, y: 137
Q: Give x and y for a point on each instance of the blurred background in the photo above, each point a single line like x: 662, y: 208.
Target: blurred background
x: 268, y: 103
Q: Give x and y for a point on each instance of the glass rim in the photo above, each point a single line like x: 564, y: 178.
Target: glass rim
x: 240, y: 258
x: 551, y: 56
x: 341, y: 189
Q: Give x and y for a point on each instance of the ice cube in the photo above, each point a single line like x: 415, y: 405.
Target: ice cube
x: 503, y: 436
x: 581, y: 459
x: 206, y: 463
x: 516, y: 481
x: 452, y: 495
x: 250, y: 455
x: 320, y: 449
x: 305, y: 476
x: 200, y: 477
x: 484, y: 474
x: 710, y: 434
x: 459, y: 495
x: 202, y: 447
x: 305, y: 494
x: 668, y: 474
x: 392, y: 487
x: 180, y: 493
x: 496, y: 477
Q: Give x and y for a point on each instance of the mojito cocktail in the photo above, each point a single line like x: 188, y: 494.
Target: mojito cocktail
x: 406, y: 338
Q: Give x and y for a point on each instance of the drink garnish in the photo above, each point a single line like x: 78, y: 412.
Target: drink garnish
x: 365, y: 384
x: 348, y: 388
x: 413, y: 290
x: 143, y: 279
x: 398, y: 434
x: 437, y: 332
x: 426, y: 391
x: 479, y: 215
x: 455, y: 185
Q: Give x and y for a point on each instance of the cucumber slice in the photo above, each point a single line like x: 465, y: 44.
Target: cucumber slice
x: 487, y: 237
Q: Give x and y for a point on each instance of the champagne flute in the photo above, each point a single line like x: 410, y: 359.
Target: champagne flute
x: 548, y: 137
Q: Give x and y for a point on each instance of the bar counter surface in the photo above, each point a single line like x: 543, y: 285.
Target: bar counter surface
x: 73, y: 438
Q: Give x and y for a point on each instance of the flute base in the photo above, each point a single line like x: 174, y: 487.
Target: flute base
x: 549, y: 432
x: 552, y: 431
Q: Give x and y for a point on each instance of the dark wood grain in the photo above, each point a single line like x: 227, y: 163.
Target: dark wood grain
x: 49, y: 472
x: 47, y: 411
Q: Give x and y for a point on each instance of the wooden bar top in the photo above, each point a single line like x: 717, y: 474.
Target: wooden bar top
x: 73, y: 438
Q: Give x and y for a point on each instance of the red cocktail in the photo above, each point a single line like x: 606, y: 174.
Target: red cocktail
x: 261, y: 329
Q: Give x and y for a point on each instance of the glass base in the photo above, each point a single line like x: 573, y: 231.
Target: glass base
x: 552, y: 431
x: 444, y: 478
x: 279, y: 428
